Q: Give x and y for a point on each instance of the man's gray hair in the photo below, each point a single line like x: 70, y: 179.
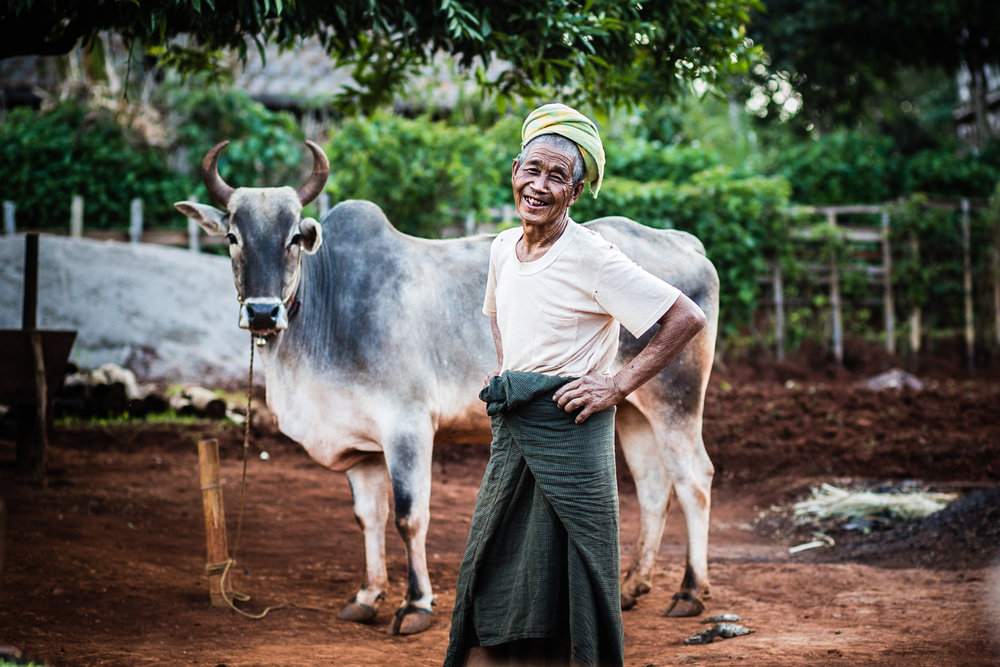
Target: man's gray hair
x: 562, y: 143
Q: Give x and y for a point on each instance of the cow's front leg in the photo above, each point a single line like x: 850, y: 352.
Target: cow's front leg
x: 409, y: 462
x: 370, y: 490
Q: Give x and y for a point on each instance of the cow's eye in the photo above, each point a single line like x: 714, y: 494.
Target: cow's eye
x: 296, y: 240
x: 231, y: 238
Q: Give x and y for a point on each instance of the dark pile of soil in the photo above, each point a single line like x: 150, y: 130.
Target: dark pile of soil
x: 964, y: 535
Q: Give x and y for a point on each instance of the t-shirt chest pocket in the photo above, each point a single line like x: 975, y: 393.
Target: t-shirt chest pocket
x: 554, y: 336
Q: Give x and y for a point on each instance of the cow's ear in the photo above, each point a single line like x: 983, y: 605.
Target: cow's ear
x: 211, y: 219
x: 312, y: 235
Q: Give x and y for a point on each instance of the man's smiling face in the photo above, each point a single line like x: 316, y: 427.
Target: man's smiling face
x: 543, y: 185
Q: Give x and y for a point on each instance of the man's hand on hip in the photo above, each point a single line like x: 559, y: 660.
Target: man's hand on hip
x: 592, y: 393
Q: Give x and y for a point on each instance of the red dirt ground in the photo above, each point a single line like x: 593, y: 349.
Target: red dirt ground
x: 104, y: 566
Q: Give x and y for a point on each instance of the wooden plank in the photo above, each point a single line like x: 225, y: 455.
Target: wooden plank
x: 835, y: 210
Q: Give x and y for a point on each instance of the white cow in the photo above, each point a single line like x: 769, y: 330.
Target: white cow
x: 374, y: 348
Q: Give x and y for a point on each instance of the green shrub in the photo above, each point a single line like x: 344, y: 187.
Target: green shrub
x: 947, y: 173
x: 646, y: 161
x: 425, y: 175
x: 844, y: 167
x: 45, y: 159
x: 266, y: 147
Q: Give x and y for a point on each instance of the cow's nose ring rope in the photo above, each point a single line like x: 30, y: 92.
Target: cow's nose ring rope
x: 227, y: 565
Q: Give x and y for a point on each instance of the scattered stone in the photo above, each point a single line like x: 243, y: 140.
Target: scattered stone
x: 723, y: 618
x: 719, y: 630
x: 892, y: 379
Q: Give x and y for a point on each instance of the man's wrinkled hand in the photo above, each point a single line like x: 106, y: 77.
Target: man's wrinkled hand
x: 492, y: 374
x: 589, y: 394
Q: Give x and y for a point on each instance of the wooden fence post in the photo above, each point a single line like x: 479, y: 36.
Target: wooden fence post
x: 887, y: 301
x: 970, y: 331
x: 916, y: 315
x: 76, y: 217
x: 779, y: 313
x: 135, y: 221
x: 838, y: 326
x: 194, y: 231
x: 324, y: 204
x: 995, y: 256
x: 9, y: 225
x: 217, y: 545
x: 508, y: 214
x: 32, y: 439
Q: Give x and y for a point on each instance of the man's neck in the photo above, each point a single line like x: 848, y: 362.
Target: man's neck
x: 536, y: 241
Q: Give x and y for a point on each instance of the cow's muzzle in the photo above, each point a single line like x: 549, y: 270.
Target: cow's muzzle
x: 263, y: 316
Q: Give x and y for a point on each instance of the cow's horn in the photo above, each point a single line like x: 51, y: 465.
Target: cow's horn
x: 217, y: 187
x: 320, y: 172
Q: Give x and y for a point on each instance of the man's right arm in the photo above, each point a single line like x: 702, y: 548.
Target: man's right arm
x: 496, y: 342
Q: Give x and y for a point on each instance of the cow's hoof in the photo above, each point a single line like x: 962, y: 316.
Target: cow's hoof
x: 410, y: 620
x: 631, y: 592
x: 357, y: 612
x: 683, y: 605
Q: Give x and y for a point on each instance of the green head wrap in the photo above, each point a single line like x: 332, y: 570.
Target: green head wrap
x: 570, y: 123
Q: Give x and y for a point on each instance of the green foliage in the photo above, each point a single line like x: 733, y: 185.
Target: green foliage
x: 840, y: 54
x: 425, y: 175
x: 46, y: 159
x: 642, y: 160
x: 842, y: 167
x: 605, y: 51
x: 855, y: 167
x: 266, y: 147
x: 928, y: 262
x: 169, y: 417
x: 946, y: 173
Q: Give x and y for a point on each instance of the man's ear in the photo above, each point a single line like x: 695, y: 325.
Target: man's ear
x: 312, y: 235
x: 577, y: 191
x: 208, y: 217
x: 513, y: 168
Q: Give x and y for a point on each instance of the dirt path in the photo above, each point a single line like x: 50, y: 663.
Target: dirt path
x: 104, y: 567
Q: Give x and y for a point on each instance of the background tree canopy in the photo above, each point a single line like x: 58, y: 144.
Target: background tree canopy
x: 840, y: 54
x: 606, y: 51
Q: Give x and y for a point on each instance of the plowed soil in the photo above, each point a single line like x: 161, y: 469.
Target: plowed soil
x: 104, y: 564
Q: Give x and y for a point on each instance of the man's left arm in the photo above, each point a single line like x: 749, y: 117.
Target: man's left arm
x: 593, y: 393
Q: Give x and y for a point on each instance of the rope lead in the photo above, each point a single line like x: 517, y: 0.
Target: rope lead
x: 226, y: 566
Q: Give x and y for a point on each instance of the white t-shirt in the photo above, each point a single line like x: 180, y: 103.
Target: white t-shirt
x: 560, y: 314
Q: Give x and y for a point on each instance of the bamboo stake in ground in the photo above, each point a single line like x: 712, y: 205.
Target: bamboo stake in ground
x: 215, y: 519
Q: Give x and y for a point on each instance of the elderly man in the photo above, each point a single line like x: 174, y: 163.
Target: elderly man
x: 539, y: 583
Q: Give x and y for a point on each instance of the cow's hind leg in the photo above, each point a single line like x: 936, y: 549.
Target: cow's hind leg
x: 692, y: 472
x: 370, y: 490
x: 653, y: 489
x: 663, y: 454
x: 409, y: 461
